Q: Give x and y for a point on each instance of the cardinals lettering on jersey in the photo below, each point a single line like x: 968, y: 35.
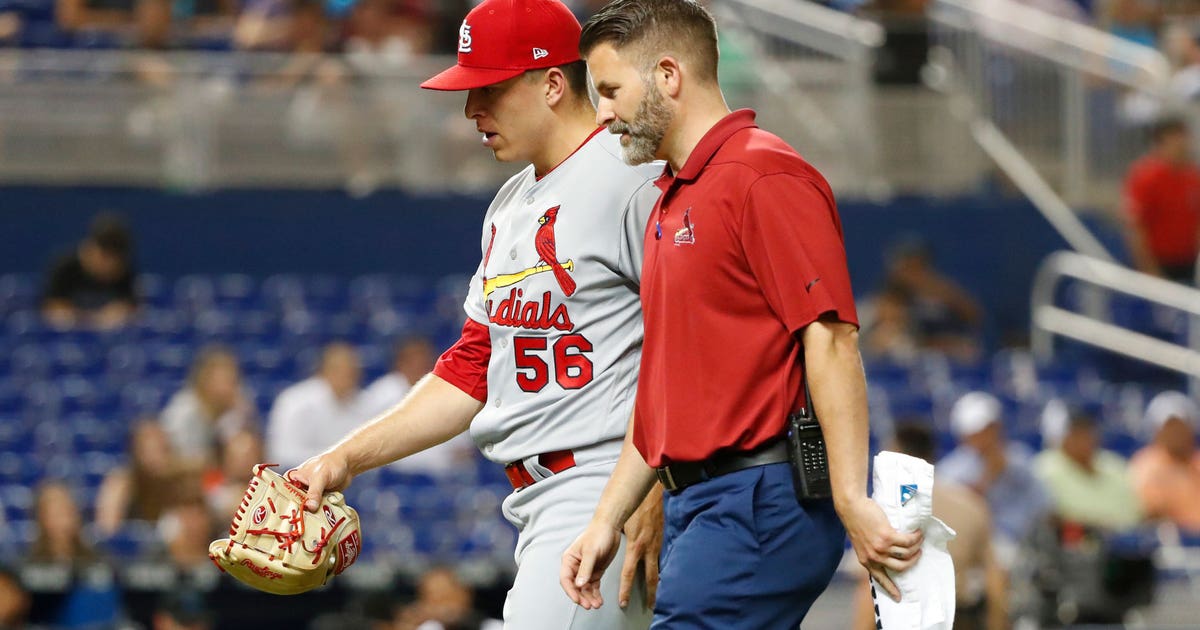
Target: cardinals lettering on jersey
x: 537, y: 314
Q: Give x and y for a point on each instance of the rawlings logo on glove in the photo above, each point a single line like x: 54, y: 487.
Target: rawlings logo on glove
x: 281, y: 548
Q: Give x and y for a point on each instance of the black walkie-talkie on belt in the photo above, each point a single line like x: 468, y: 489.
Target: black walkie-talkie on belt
x: 806, y: 450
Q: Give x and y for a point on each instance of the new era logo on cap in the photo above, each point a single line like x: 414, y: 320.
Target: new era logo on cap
x: 908, y: 491
x: 500, y: 39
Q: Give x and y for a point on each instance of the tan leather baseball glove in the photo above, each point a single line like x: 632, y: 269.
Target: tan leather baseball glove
x: 276, y: 546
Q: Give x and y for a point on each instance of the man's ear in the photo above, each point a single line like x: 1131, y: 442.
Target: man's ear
x: 555, y: 86
x: 668, y: 76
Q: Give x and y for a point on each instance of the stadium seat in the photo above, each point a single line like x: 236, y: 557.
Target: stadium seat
x: 18, y: 292
x: 19, y: 468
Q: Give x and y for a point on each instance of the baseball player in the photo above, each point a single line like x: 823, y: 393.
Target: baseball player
x: 544, y: 373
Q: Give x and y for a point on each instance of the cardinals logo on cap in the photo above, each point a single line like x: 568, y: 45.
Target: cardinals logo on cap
x: 464, y: 38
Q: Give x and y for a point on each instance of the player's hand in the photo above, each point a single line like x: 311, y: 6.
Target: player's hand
x: 877, y: 544
x: 643, y: 540
x: 327, y: 472
x: 584, y: 562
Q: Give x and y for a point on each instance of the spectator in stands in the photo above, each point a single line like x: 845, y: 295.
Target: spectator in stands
x: 1166, y: 472
x: 299, y: 26
x: 182, y: 610
x: 996, y: 468
x: 95, y: 16
x: 225, y: 486
x: 945, y: 316
x: 11, y: 25
x: 14, y: 601
x: 200, y: 418
x: 1135, y: 20
x: 1087, y: 485
x: 1162, y: 205
x: 888, y: 331
x: 94, y: 285
x: 59, y: 527
x: 980, y: 584
x: 186, y: 530
x: 154, y: 481
x: 413, y: 359
x: 86, y: 604
x: 385, y: 34
x: 314, y: 414
x: 444, y: 602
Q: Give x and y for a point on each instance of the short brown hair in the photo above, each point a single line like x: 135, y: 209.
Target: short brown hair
x: 577, y: 80
x: 682, y: 27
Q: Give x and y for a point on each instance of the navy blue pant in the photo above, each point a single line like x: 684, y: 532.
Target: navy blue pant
x: 739, y: 552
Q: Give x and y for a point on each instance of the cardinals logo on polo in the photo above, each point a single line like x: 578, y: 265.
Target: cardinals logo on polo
x: 686, y: 235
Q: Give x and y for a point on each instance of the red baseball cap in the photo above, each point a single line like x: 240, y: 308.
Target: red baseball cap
x: 500, y: 39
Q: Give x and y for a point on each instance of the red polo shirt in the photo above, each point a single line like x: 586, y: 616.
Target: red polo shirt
x: 743, y: 251
x: 1165, y: 199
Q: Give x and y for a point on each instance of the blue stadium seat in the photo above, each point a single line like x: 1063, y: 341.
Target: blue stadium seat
x: 154, y: 290
x: 19, y: 468
x: 42, y: 401
x: 283, y: 292
x: 82, y: 359
x: 17, y: 500
x: 15, y: 435
x: 18, y: 292
x: 194, y: 293
x: 256, y: 325
x: 126, y: 362
x: 91, y: 433
x: 94, y: 466
x: 29, y: 362
x: 143, y: 398
x: 169, y: 360
x: 164, y: 325
x: 236, y: 291
x: 134, y: 539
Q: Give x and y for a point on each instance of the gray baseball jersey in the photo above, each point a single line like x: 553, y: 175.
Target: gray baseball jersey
x: 558, y: 290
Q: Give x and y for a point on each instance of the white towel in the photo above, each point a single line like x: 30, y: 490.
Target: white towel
x: 904, y: 489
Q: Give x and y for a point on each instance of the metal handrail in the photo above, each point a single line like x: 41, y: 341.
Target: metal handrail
x: 830, y: 32
x: 944, y: 76
x: 1059, y: 40
x: 1049, y: 320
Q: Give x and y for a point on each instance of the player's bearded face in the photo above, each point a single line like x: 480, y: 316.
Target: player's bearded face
x: 642, y: 135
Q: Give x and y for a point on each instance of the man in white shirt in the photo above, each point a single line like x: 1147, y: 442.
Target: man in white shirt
x: 414, y: 358
x: 315, y: 413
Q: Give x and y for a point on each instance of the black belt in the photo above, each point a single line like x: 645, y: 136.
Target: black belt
x: 679, y: 475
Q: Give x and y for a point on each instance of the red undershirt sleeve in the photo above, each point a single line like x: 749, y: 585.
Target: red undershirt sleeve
x: 465, y: 364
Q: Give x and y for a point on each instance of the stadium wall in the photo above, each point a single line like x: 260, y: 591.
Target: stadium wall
x: 990, y: 246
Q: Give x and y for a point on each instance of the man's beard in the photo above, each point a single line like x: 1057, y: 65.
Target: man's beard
x: 647, y: 129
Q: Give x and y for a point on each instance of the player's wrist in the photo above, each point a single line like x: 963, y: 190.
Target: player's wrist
x: 608, y: 519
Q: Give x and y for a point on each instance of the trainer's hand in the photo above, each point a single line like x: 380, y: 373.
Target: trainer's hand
x: 643, y: 540
x: 584, y: 562
x: 877, y: 544
x: 327, y: 472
